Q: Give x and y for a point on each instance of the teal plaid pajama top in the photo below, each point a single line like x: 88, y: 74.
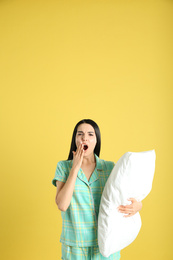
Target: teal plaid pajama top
x: 79, y: 226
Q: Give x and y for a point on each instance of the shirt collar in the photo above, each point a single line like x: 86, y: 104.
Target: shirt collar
x: 95, y: 173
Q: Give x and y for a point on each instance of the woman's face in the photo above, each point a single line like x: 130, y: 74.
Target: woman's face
x: 86, y: 135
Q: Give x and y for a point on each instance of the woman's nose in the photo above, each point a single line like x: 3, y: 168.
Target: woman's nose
x: 84, y: 137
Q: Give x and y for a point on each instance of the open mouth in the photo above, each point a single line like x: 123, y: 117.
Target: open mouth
x: 85, y: 147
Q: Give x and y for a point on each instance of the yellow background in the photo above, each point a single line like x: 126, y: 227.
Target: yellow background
x: 60, y: 62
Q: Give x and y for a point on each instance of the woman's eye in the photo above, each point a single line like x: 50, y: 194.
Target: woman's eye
x: 89, y: 134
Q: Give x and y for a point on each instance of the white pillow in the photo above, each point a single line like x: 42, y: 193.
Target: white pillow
x: 131, y: 177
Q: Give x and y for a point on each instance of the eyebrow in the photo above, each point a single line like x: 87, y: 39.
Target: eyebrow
x: 82, y: 132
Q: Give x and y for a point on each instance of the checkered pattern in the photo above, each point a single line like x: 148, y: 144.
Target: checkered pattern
x: 85, y: 253
x: 79, y: 227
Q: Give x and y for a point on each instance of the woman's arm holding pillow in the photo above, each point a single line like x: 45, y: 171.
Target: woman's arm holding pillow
x: 132, y: 209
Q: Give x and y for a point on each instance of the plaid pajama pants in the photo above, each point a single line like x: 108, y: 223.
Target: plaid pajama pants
x: 85, y: 253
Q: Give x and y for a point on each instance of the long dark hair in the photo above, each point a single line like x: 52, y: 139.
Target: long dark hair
x: 98, y: 136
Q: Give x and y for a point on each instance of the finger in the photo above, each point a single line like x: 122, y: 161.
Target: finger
x: 129, y: 215
x: 78, y: 149
x: 126, y: 211
x: 125, y: 207
x: 82, y: 154
x: 132, y: 200
x: 73, y: 152
x: 81, y: 149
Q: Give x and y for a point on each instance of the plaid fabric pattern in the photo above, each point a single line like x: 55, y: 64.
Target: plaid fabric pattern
x: 79, y: 226
x: 85, y: 253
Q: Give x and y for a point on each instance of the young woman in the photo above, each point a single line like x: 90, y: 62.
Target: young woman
x: 80, y: 181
